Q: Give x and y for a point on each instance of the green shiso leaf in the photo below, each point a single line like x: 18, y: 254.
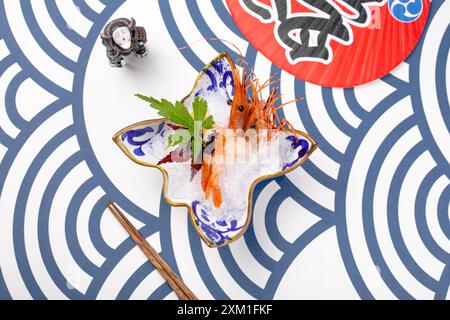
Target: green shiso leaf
x: 180, y: 115
x: 200, y: 107
x: 208, y: 123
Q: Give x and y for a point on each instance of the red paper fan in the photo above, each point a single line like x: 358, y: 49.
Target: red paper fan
x: 334, y: 43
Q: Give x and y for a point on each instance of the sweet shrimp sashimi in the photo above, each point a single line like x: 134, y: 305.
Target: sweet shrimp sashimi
x: 212, y: 169
x: 248, y: 111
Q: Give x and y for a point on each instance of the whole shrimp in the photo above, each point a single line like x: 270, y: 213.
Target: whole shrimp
x: 247, y: 112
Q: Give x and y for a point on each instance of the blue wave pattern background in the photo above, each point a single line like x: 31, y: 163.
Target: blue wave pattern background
x: 381, y: 157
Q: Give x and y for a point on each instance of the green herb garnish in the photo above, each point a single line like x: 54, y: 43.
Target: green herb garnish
x: 178, y: 114
x: 200, y: 107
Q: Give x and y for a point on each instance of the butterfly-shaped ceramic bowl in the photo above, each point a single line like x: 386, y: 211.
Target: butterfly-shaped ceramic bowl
x: 146, y: 143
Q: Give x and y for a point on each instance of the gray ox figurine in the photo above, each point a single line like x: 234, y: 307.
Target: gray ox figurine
x: 121, y: 37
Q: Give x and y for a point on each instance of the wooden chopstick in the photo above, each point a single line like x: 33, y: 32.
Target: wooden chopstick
x: 177, y: 285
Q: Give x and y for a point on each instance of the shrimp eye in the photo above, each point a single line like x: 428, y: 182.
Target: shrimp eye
x: 241, y: 108
x: 253, y: 126
x: 230, y: 102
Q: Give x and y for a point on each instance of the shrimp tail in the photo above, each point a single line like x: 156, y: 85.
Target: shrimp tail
x: 213, y: 190
x: 206, y: 174
x: 217, y: 197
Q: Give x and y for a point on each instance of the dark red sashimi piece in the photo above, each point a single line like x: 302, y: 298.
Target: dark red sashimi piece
x: 179, y: 155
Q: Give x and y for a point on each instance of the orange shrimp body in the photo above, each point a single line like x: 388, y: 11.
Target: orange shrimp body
x: 240, y: 108
x: 212, y: 170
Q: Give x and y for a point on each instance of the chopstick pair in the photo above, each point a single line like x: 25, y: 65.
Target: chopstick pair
x: 173, y: 280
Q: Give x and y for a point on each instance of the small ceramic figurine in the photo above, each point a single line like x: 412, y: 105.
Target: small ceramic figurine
x: 121, y: 37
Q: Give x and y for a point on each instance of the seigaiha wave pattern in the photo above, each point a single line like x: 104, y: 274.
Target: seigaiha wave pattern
x: 366, y: 217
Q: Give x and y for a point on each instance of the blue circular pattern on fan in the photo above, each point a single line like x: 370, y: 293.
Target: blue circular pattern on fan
x: 406, y: 10
x: 366, y: 217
